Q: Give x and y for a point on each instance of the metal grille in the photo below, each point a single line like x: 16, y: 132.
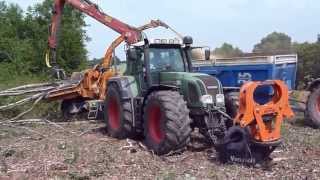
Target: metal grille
x: 212, y: 85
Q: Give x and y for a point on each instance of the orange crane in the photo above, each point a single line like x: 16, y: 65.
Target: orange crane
x: 93, y: 84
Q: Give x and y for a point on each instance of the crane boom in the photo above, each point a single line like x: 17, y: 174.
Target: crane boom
x: 128, y: 33
x: 131, y: 34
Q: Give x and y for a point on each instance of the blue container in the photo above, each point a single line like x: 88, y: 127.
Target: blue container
x: 233, y: 72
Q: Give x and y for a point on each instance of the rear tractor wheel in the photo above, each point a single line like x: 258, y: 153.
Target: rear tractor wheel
x: 166, y: 122
x: 232, y: 103
x: 118, y: 115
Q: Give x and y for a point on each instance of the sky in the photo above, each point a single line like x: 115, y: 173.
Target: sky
x: 210, y: 22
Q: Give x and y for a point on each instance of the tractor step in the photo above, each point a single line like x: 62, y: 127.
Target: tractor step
x: 93, y: 107
x: 137, y: 112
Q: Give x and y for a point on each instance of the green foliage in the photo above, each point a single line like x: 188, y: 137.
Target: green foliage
x: 227, y: 50
x: 309, y: 58
x: 12, y: 43
x: 71, y: 50
x: 23, y: 40
x: 308, y: 55
x: 274, y: 42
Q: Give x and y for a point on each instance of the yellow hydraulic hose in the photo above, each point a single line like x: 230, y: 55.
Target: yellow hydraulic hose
x: 47, y: 58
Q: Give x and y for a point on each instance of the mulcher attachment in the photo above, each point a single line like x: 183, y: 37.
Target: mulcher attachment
x: 256, y: 130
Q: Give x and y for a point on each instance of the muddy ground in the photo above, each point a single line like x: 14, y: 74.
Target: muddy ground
x: 82, y: 150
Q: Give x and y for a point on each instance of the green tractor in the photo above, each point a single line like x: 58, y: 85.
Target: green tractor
x: 157, y: 96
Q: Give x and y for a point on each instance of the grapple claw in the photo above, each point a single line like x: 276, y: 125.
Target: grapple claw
x: 58, y: 73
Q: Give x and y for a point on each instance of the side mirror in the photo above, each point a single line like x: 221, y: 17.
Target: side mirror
x: 132, y: 54
x: 207, y: 54
x: 200, y: 53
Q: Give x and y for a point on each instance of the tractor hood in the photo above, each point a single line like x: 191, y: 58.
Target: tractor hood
x: 192, y: 85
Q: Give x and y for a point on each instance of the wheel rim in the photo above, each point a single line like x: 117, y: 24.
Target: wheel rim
x: 154, y: 125
x: 114, y: 113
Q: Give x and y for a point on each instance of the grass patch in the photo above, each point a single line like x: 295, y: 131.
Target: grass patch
x: 12, y: 80
x: 43, y: 109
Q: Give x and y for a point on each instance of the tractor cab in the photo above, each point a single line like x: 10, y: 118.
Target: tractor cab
x: 166, y: 58
x: 158, y: 58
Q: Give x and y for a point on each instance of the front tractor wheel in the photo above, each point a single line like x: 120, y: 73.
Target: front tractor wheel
x: 118, y: 115
x: 166, y: 122
x: 232, y: 103
x: 313, y: 108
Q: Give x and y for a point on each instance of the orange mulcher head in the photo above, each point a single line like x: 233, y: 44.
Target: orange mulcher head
x: 264, y: 120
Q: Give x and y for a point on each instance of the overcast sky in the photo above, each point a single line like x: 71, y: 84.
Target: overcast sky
x: 210, y: 22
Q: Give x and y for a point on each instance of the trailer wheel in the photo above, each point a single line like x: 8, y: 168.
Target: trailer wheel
x: 118, y: 115
x: 232, y: 103
x: 166, y: 122
x: 313, y: 108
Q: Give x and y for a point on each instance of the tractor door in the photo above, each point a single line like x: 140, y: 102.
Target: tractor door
x: 136, y: 67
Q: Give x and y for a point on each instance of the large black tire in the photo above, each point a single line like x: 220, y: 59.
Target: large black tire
x: 232, y: 103
x: 313, y: 108
x: 166, y: 122
x: 118, y: 115
x: 65, y: 107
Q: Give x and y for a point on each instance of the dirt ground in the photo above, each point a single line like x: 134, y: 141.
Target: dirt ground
x: 82, y: 150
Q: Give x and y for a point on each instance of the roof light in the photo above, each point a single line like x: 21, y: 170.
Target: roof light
x: 157, y: 41
x: 177, y: 41
x: 164, y: 41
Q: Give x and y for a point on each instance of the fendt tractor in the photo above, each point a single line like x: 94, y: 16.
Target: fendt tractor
x: 155, y: 95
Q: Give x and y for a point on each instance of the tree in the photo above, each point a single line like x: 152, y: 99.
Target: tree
x: 13, y: 46
x: 23, y: 39
x: 273, y: 43
x: 227, y: 50
x: 308, y: 64
x: 72, y: 53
